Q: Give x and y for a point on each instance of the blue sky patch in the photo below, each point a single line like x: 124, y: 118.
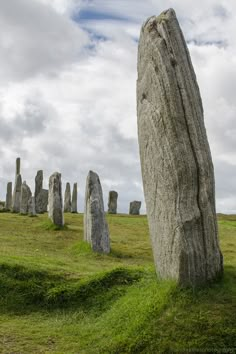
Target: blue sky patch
x: 88, y: 15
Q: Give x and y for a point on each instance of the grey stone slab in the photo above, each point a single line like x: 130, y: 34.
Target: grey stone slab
x: 55, y: 207
x: 177, y: 169
x: 74, y: 199
x: 112, y: 202
x: 95, y: 226
x: 134, y: 207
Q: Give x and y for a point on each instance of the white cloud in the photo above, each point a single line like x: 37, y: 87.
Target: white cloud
x: 35, y: 39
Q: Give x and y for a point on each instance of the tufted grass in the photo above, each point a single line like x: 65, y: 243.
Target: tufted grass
x: 57, y: 296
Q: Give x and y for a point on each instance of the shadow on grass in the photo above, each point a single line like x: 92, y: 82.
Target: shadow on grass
x: 25, y: 290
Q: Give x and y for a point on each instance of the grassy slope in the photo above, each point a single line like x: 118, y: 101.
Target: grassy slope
x: 56, y: 296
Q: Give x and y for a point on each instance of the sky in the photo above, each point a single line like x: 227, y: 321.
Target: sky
x: 68, y: 71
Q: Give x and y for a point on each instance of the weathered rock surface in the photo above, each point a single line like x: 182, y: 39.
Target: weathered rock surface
x: 67, y: 199
x: 38, y: 184
x: 41, y: 195
x: 74, y: 199
x: 8, y: 204
x: 134, y: 207
x: 55, y: 208
x: 95, y: 225
x: 17, y: 195
x: 17, y: 189
x: 17, y: 166
x: 176, y: 162
x: 25, y: 198
x: 41, y: 201
x: 112, y: 202
x: 31, y: 207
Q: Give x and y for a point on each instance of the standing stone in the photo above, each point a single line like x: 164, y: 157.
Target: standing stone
x: 134, y: 207
x: 41, y: 201
x: 38, y: 183
x: 17, y: 189
x: 112, y: 202
x: 95, y: 225
x: 17, y: 195
x: 8, y: 205
x: 17, y: 166
x: 31, y: 207
x: 176, y: 162
x: 41, y: 195
x: 74, y: 199
x: 67, y: 199
x: 25, y: 198
x: 55, y: 209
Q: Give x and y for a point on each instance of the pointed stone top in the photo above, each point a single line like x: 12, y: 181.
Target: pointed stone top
x: 166, y: 15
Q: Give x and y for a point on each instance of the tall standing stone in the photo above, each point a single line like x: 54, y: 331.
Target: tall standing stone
x: 176, y: 162
x: 134, y: 207
x: 25, y: 198
x: 55, y: 208
x: 17, y: 166
x: 41, y: 195
x: 95, y: 225
x: 17, y: 189
x: 74, y: 199
x: 38, y: 183
x: 112, y: 202
x: 8, y: 205
x: 67, y: 199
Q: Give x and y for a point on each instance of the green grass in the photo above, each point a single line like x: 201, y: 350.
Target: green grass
x: 57, y: 296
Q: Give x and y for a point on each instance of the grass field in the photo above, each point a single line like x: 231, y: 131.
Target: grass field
x: 56, y: 296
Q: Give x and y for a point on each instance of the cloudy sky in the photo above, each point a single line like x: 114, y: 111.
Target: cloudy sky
x: 67, y: 89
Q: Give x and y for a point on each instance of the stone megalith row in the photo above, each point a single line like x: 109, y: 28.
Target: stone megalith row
x: 67, y: 199
x: 112, y: 202
x: 95, y: 226
x: 134, y: 207
x: 177, y: 169
x: 41, y: 195
x: 8, y: 204
x: 55, y: 204
x: 17, y: 189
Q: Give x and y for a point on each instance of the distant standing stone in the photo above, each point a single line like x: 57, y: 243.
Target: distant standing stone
x: 41, y: 195
x: 112, y: 202
x: 67, y: 199
x: 55, y: 208
x: 38, y: 183
x: 95, y: 225
x: 17, y: 189
x: 31, y: 207
x: 8, y: 204
x: 17, y: 195
x: 17, y: 166
x: 25, y: 198
x: 42, y: 201
x: 74, y: 199
x: 177, y: 169
x: 134, y: 207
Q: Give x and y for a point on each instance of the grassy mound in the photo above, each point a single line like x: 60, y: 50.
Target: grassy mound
x: 57, y: 296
